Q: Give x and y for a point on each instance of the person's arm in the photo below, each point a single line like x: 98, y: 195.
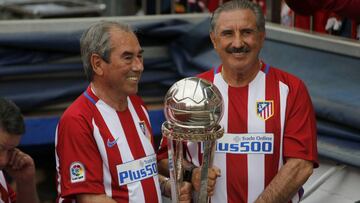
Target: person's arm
x: 287, y: 182
x: 21, y: 168
x: 94, y: 198
x: 344, y: 8
x: 165, y: 186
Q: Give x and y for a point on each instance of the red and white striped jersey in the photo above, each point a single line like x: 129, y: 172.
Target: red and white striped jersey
x: 7, y: 194
x: 103, y: 151
x: 265, y: 122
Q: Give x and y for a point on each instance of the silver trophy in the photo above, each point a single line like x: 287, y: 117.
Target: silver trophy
x: 193, y: 109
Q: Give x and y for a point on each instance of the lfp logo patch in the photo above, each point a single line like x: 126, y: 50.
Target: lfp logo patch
x: 77, y: 172
x: 265, y: 109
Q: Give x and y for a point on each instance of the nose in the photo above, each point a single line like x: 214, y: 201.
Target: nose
x: 138, y: 65
x: 238, y: 40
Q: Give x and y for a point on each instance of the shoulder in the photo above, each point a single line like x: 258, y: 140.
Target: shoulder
x: 80, y: 110
x: 285, y: 78
x: 208, y: 75
x: 136, y: 100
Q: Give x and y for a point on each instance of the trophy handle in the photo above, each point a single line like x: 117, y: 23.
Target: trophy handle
x: 207, y: 162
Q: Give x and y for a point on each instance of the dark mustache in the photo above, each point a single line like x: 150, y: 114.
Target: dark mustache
x: 243, y: 49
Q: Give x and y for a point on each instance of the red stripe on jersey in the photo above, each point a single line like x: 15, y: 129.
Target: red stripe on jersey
x: 4, y: 194
x: 138, y: 152
x: 238, y: 114
x: 272, y: 125
x: 114, y: 159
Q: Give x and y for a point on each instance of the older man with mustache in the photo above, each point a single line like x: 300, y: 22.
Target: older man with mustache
x: 269, y: 147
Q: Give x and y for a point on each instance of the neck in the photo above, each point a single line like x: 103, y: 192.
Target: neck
x: 240, y: 78
x: 117, y: 102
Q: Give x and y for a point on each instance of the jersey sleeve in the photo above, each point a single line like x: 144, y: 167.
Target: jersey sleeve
x: 300, y: 140
x: 80, y: 164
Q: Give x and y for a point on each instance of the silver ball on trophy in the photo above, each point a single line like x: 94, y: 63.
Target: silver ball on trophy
x: 194, y: 102
x: 193, y: 109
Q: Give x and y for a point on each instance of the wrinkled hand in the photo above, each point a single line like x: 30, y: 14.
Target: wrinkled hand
x: 21, y: 166
x: 185, y: 192
x: 213, y: 173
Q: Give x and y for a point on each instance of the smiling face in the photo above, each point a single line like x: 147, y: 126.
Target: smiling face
x: 122, y: 73
x: 238, y: 41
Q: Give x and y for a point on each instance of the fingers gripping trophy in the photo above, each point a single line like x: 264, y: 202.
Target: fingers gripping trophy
x: 193, y: 110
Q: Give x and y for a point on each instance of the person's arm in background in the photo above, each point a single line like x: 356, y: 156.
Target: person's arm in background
x: 287, y: 182
x: 344, y: 8
x: 21, y: 168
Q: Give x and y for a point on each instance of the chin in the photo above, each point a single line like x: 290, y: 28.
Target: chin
x: 132, y: 92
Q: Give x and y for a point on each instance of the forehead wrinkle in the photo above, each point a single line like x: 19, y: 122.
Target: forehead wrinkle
x: 232, y: 17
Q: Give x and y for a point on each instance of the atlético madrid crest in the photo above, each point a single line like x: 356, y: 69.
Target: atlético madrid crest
x: 265, y: 109
x: 144, y: 129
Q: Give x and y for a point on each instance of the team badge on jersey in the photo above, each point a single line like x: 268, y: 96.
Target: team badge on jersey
x: 77, y: 172
x: 144, y: 129
x: 265, y: 109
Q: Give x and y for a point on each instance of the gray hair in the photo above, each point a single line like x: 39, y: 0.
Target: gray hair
x: 239, y: 4
x: 96, y: 40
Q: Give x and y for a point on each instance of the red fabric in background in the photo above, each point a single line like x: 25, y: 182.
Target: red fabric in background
x: 344, y: 8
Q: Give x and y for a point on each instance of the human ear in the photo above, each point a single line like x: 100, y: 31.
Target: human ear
x: 212, y: 37
x: 262, y: 36
x: 96, y: 64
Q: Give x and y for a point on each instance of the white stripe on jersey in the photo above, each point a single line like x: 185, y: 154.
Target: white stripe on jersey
x: 136, y: 193
x: 57, y: 167
x: 256, y: 162
x: 57, y: 163
x: 220, y: 158
x: 146, y: 143
x: 101, y: 146
x: 112, y: 121
x: 4, y: 185
x: 284, y: 91
x: 3, y: 181
x: 146, y: 113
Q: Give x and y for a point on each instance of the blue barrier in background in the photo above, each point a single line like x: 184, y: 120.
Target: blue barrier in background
x: 41, y: 130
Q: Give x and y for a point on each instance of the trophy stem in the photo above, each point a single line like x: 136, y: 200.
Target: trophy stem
x: 179, y: 166
x: 175, y: 168
x: 172, y: 170
x: 206, y: 164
